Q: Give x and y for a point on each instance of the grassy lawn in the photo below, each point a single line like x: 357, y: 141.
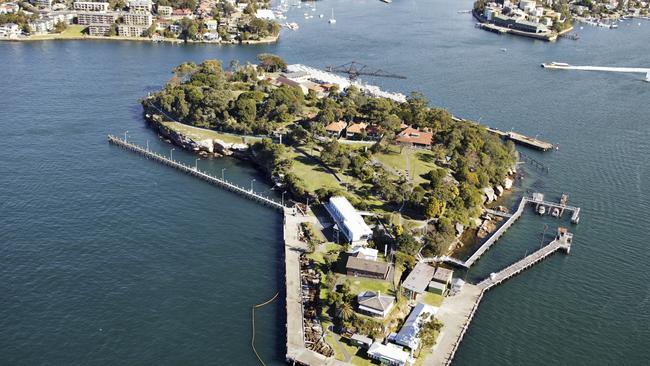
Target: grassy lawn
x: 198, y: 134
x: 430, y: 298
x: 312, y: 173
x: 416, y: 161
x: 360, y: 284
x: 73, y: 31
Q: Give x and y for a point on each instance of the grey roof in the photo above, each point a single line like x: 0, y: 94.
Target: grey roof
x: 359, y: 264
x: 361, y: 338
x: 408, y: 334
x: 372, y: 300
x: 443, y: 275
x: 419, y: 278
x: 437, y: 285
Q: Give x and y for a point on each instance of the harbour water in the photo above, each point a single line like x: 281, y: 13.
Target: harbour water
x: 108, y: 258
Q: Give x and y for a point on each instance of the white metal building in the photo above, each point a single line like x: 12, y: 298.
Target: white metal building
x: 348, y: 220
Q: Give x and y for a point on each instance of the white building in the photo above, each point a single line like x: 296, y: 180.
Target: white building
x: 165, y: 11
x: 527, y: 5
x: 9, y: 30
x: 388, y: 354
x: 140, y: 6
x: 408, y: 334
x: 89, y: 6
x: 348, y: 221
x: 211, y: 25
x: 92, y: 17
x: 266, y: 14
x: 9, y: 8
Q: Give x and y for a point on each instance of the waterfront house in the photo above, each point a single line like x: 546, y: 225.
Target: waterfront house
x: 416, y: 138
x: 335, y: 129
x: 348, y: 220
x: 408, y: 333
x: 375, y: 304
x: 418, y: 280
x: 358, y: 267
x: 9, y: 30
x: 91, y: 17
x: 388, y: 354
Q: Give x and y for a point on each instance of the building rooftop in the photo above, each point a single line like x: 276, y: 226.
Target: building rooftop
x: 375, y: 301
x: 357, y: 127
x: 443, y: 275
x: 419, y: 278
x: 414, y: 136
x: 408, y: 334
x: 337, y: 126
x: 388, y: 351
x: 359, y: 264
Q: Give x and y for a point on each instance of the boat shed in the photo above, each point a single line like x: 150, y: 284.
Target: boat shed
x: 418, y: 280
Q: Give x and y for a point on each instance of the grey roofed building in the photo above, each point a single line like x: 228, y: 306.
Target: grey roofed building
x: 375, y: 303
x: 361, y: 340
x: 418, y: 280
x: 443, y: 275
x: 365, y: 268
x: 408, y: 334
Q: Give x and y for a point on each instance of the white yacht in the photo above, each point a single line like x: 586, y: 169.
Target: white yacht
x: 332, y: 19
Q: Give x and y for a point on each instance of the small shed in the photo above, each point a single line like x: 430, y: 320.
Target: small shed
x: 361, y: 340
x: 443, y: 275
x: 437, y: 288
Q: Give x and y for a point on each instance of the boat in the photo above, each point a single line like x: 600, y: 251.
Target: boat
x: 320, y: 16
x: 386, y: 1
x: 332, y: 19
x: 564, y: 199
x: 554, y: 64
x: 504, y: 50
x: 647, y: 77
x: 555, y: 212
x: 541, y: 210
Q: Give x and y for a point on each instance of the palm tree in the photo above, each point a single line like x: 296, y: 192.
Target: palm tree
x: 346, y: 311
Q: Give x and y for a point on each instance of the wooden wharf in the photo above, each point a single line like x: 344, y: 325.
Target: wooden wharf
x: 192, y: 170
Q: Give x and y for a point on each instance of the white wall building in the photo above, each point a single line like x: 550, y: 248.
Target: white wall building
x: 89, y: 6
x: 348, y: 220
x: 265, y: 14
x: 408, y: 334
x: 140, y: 6
x: 9, y: 30
x: 9, y: 8
x: 388, y: 354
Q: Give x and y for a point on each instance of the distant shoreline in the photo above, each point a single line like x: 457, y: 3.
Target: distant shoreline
x: 61, y: 37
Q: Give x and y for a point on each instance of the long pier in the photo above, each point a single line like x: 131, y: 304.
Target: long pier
x: 247, y: 193
x: 459, y: 310
x: 516, y: 137
x: 575, y: 218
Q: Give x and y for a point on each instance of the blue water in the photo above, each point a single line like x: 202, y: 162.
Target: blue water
x: 108, y: 258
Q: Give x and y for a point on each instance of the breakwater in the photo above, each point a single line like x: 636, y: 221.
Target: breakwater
x: 194, y: 171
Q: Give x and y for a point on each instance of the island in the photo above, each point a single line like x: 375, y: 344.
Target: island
x: 205, y: 21
x: 376, y: 182
x: 548, y: 20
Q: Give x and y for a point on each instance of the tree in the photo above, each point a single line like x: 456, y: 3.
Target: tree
x: 151, y: 30
x: 59, y: 27
x: 428, y: 333
x: 346, y: 311
x: 271, y: 63
x: 245, y: 110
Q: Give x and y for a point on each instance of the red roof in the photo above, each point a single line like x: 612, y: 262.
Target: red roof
x: 336, y: 126
x: 357, y: 127
x: 181, y: 12
x: 412, y: 136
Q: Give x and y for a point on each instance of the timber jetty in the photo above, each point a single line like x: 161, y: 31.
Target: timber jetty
x: 194, y: 171
x: 537, y: 199
x: 516, y: 137
x: 458, y: 311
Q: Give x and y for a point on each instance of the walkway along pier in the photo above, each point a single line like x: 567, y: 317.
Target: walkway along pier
x: 516, y: 137
x: 196, y: 172
x: 447, y: 349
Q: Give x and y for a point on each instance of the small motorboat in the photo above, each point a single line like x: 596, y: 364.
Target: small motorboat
x: 555, y: 212
x: 541, y: 210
